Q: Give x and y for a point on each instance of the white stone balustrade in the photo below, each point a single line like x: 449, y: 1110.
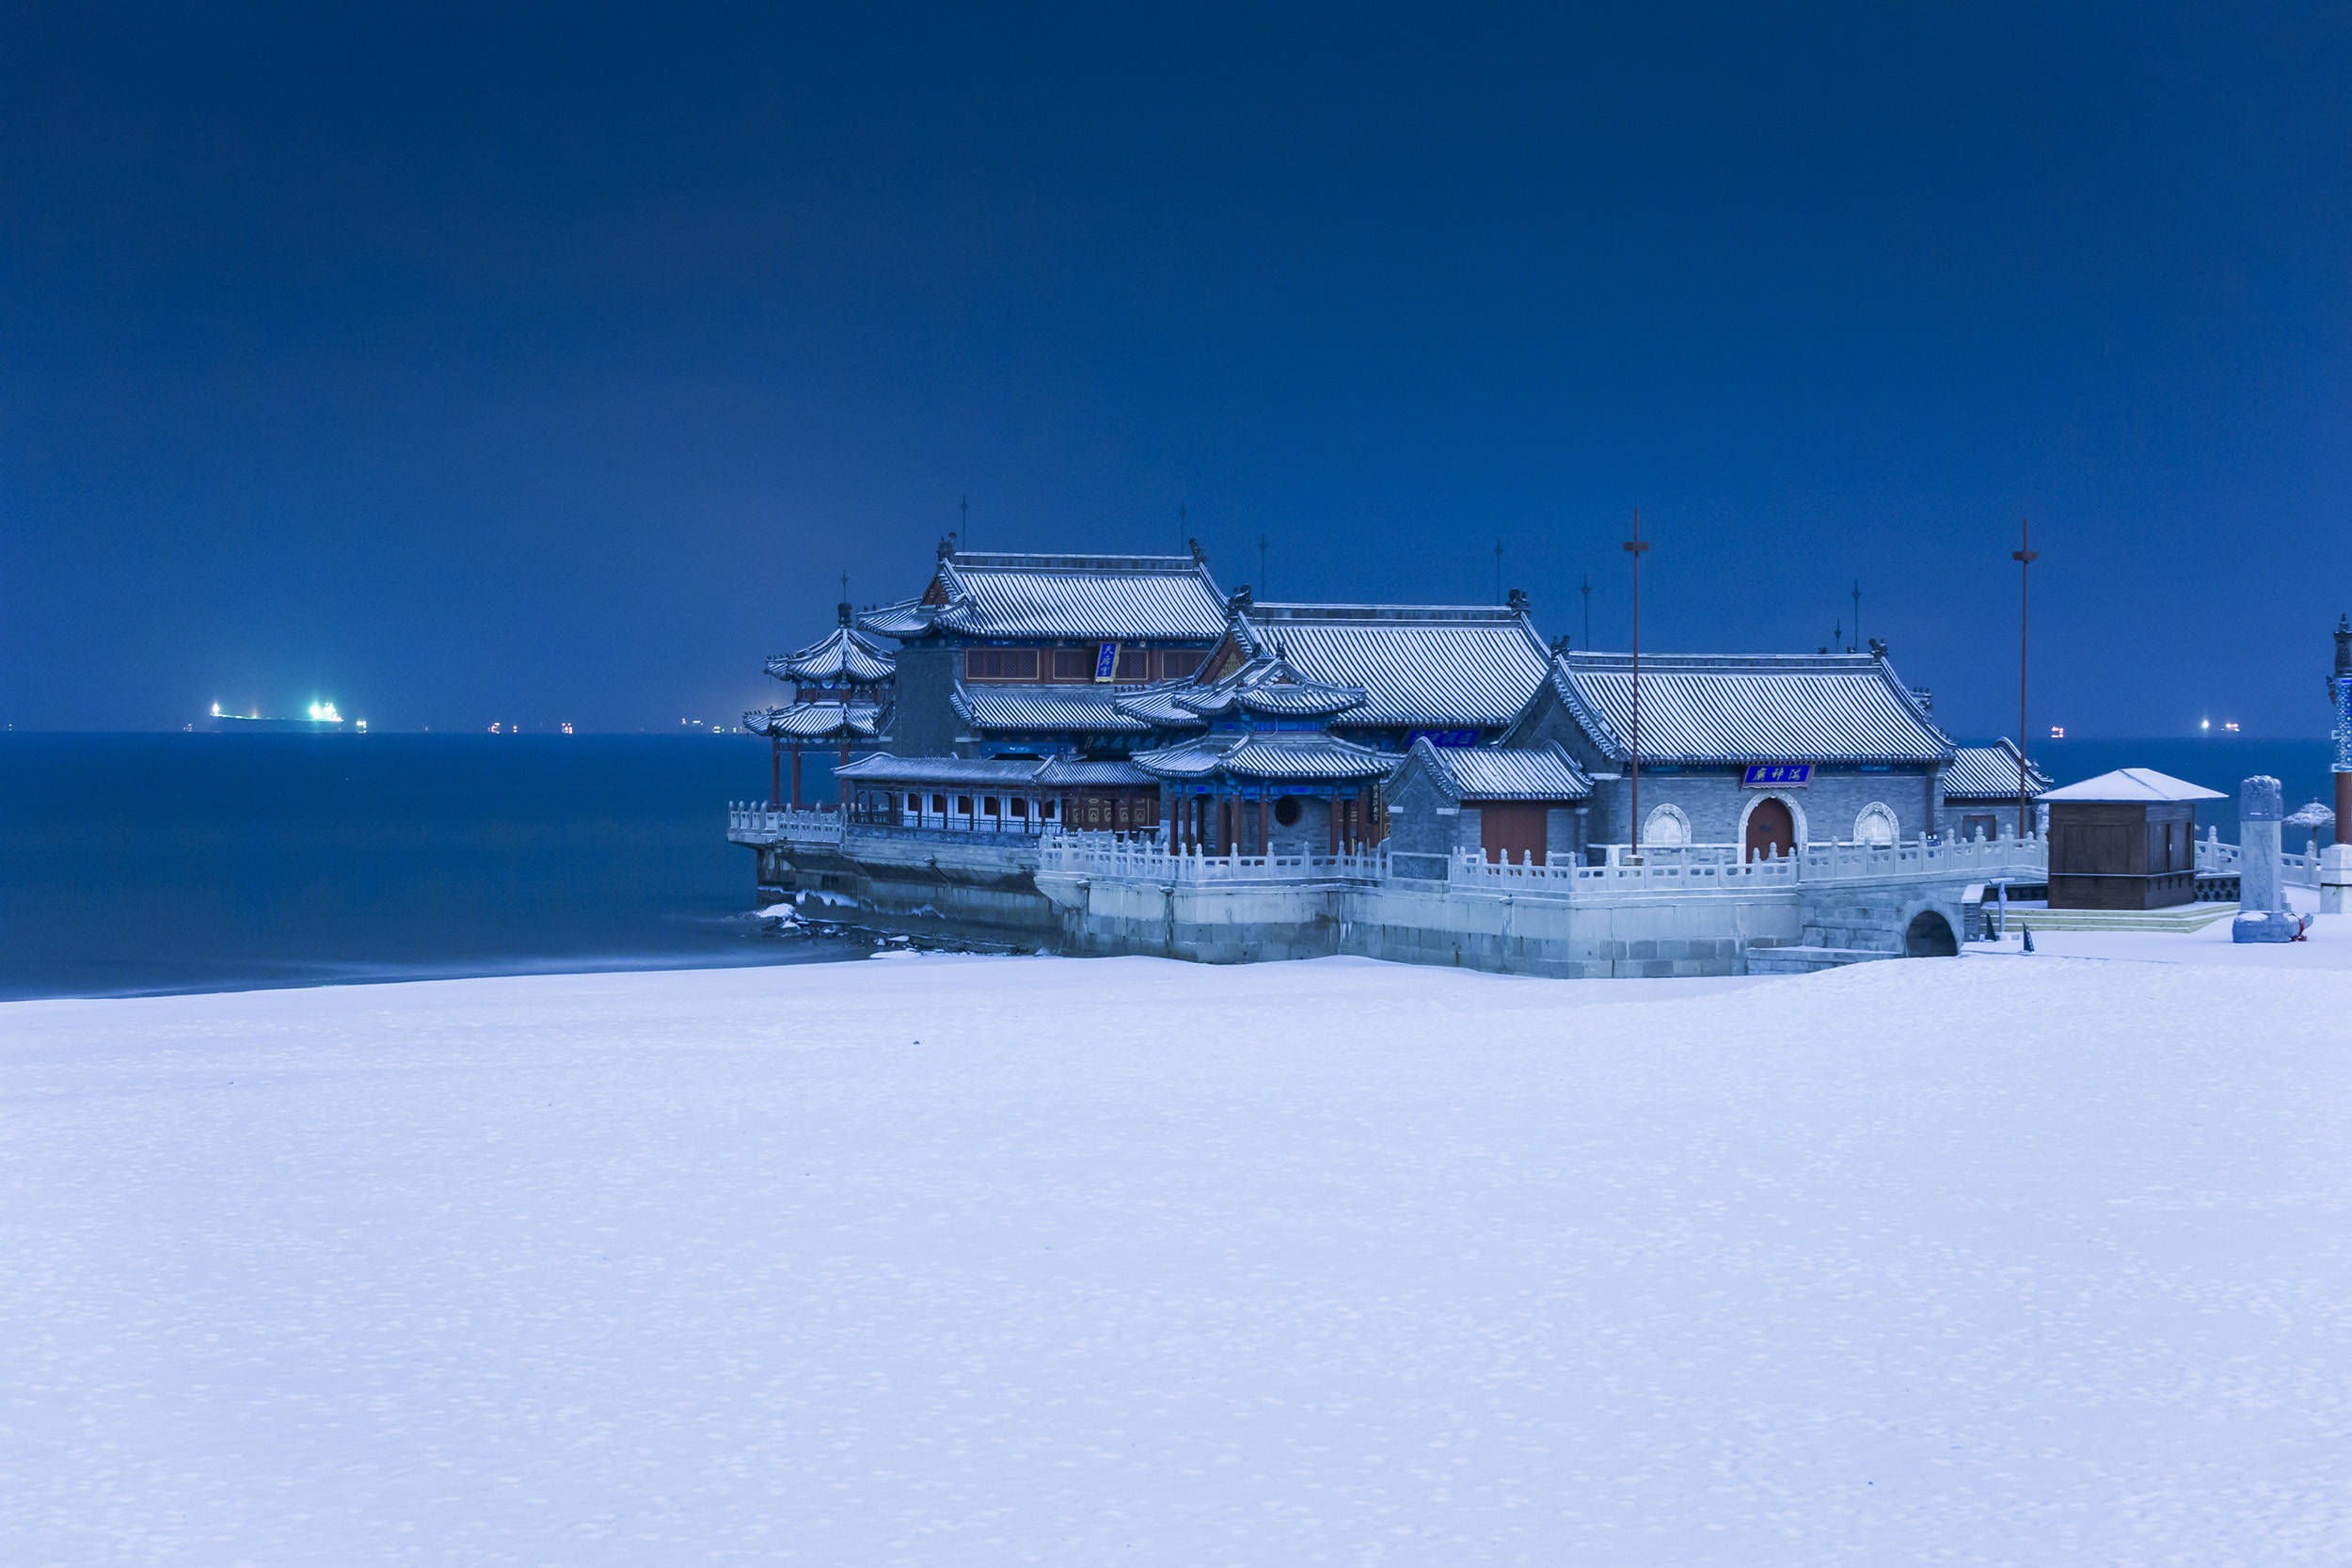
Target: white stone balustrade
x: 753, y: 822
x: 1147, y: 858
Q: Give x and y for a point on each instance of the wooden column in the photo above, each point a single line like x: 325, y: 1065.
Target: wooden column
x: 796, y: 775
x: 775, y: 772
x: 1334, y: 821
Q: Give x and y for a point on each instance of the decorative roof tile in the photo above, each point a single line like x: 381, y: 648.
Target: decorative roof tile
x: 1433, y: 666
x: 1989, y: 773
x: 1519, y: 773
x: 1305, y: 756
x: 843, y: 657
x: 819, y: 721
x: 1019, y: 707
x: 1088, y: 597
x: 1003, y: 772
x: 1741, y: 708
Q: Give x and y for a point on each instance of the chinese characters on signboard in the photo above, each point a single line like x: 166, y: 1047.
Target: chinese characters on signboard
x: 1782, y: 775
x: 1106, y: 662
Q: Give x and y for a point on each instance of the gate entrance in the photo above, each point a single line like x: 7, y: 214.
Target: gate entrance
x: 1770, y: 829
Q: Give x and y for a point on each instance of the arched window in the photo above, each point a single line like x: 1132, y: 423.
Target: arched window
x: 1286, y: 811
x: 1666, y: 827
x: 1875, y: 824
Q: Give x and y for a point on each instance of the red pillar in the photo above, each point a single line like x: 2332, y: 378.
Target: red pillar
x: 796, y: 778
x: 775, y: 772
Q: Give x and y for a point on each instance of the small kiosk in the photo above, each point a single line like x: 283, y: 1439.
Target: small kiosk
x: 2125, y: 840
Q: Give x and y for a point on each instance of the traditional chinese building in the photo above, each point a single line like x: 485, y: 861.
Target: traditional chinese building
x: 1768, y: 751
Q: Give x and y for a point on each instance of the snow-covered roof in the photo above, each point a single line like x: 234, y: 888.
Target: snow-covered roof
x: 1270, y: 686
x: 825, y: 721
x: 1006, y: 772
x: 1084, y: 598
x: 843, y: 655
x: 1989, y: 773
x: 1303, y: 756
x: 2133, y: 785
x: 2313, y: 816
x: 1022, y: 706
x: 1724, y: 708
x: 882, y: 768
x: 1516, y: 773
x: 1435, y: 666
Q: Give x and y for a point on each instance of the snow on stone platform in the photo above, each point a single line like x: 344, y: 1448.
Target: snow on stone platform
x: 978, y: 1262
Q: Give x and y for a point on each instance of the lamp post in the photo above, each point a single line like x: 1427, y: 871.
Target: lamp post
x: 1636, y: 547
x: 2024, y: 557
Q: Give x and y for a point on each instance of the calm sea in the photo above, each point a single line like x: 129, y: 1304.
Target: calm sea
x: 151, y: 862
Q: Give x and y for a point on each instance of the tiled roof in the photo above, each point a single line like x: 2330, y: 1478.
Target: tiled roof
x: 1111, y: 597
x: 2133, y: 785
x: 907, y: 618
x: 1091, y: 770
x: 1014, y: 707
x: 1438, y: 665
x: 883, y: 768
x: 817, y: 721
x: 1989, y: 773
x: 842, y: 656
x: 1298, y: 757
x: 1520, y: 773
x: 1157, y: 707
x: 1006, y: 772
x: 1271, y: 687
x: 1768, y: 708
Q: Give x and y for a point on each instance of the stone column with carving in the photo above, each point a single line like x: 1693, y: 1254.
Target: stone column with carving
x: 2262, y: 892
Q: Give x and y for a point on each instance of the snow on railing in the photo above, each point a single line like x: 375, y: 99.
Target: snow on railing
x: 1148, y: 858
x: 2216, y: 858
x: 1723, y: 867
x: 754, y: 819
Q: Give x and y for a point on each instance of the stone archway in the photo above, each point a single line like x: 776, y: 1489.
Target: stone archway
x: 1767, y: 829
x: 1930, y: 936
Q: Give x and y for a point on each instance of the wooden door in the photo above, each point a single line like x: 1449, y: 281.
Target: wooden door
x: 1512, y: 829
x: 1771, y: 830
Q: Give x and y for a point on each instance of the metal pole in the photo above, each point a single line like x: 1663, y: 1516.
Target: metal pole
x: 2025, y: 559
x: 2341, y: 690
x: 1636, y: 547
x: 1587, y: 591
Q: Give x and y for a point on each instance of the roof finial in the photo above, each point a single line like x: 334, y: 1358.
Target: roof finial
x: 964, y: 530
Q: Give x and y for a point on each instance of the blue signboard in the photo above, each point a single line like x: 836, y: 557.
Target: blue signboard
x: 1776, y: 775
x: 1106, y: 662
x: 1444, y: 737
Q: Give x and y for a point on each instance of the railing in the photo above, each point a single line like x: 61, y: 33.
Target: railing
x: 753, y: 820
x: 1693, y: 868
x: 1147, y: 858
x: 1686, y: 868
x: 2214, y: 857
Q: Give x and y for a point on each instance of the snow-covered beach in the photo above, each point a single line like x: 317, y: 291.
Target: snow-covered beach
x: 971, y: 1261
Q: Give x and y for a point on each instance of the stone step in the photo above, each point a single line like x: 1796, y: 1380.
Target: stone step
x: 2183, y: 917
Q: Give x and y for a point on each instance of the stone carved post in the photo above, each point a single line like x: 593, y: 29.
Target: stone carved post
x: 2262, y: 892
x: 2335, y: 878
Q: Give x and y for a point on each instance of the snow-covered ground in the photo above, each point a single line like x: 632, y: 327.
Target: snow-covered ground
x: 2327, y: 944
x: 976, y: 1261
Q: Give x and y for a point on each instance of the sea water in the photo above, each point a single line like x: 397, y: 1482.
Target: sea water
x: 159, y: 862
x: 155, y: 862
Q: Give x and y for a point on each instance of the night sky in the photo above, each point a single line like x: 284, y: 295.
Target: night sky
x: 532, y: 365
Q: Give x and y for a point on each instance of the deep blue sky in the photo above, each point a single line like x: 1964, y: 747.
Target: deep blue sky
x: 529, y: 365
